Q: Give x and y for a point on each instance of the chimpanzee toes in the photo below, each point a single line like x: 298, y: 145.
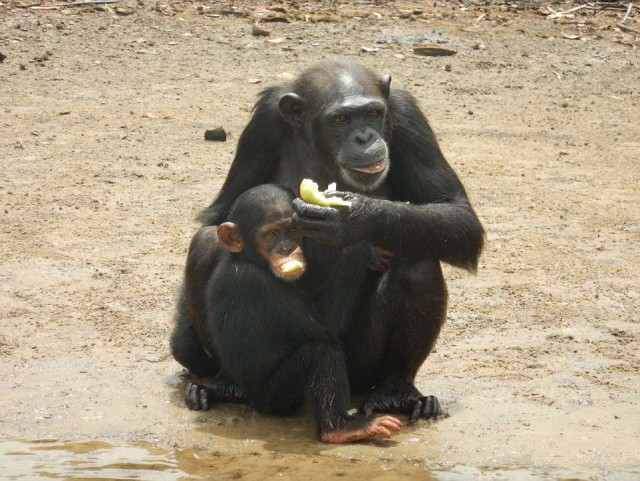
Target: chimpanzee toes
x: 196, y: 397
x: 426, y: 407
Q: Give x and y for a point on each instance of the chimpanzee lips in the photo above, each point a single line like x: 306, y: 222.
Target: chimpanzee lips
x: 374, y: 168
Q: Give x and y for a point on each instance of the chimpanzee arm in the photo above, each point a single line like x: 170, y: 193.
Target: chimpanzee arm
x: 256, y: 156
x: 428, y: 215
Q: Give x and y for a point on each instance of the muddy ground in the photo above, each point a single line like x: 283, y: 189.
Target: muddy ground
x: 103, y: 168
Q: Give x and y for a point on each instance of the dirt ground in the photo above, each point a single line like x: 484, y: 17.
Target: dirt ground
x: 103, y: 168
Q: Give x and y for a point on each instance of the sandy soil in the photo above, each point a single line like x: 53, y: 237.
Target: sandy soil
x: 103, y: 167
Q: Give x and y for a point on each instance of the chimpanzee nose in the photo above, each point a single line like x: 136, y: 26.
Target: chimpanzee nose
x: 286, y: 249
x: 364, y: 136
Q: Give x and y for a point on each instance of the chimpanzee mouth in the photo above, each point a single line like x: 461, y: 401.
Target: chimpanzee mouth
x: 374, y: 168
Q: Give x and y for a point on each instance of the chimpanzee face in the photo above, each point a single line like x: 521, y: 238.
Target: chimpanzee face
x: 353, y: 133
x: 260, y: 230
x: 345, y: 119
x: 279, y: 244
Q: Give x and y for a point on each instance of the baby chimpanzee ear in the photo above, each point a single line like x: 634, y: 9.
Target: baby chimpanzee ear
x: 229, y: 236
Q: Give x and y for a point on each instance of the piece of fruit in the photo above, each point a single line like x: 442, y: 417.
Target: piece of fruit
x: 309, y: 192
x: 291, y: 266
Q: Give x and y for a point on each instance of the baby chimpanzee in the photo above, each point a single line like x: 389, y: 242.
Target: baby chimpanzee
x: 265, y: 333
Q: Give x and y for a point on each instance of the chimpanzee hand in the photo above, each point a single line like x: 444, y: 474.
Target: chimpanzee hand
x: 338, y: 226
x: 380, y: 260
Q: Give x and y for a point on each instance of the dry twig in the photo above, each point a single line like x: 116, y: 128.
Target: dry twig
x: 626, y: 15
x: 566, y: 13
x: 623, y: 27
x: 87, y: 2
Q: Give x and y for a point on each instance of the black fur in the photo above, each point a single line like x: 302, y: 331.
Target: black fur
x: 265, y: 335
x: 416, y: 209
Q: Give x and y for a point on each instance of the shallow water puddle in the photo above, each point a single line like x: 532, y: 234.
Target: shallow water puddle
x: 95, y: 460
x: 22, y: 460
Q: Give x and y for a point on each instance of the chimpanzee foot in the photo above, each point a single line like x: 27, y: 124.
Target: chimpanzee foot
x: 197, y: 397
x: 426, y: 407
x: 202, y: 397
x: 361, y: 429
x: 401, y: 397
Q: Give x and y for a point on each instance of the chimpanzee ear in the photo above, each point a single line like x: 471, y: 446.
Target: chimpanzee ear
x: 229, y: 236
x: 291, y: 107
x: 385, y: 85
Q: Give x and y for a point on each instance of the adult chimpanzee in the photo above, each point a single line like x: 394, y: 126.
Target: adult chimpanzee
x: 338, y: 122
x: 273, y: 350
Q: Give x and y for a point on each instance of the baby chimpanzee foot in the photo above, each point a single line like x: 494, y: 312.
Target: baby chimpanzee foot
x: 359, y: 429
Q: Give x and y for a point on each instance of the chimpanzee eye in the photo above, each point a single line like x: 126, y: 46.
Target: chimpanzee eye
x: 342, y: 119
x: 373, y: 113
x: 292, y: 229
x: 271, y: 234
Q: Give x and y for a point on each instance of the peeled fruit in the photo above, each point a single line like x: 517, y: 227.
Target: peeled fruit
x: 309, y: 192
x: 291, y: 266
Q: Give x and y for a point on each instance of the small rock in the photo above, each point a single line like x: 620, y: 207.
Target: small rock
x: 369, y: 49
x: 433, y: 51
x: 399, y: 56
x: 478, y: 46
x: 254, y: 80
x: 216, y: 135
x: 276, y: 18
x: 2, y: 57
x: 447, y: 68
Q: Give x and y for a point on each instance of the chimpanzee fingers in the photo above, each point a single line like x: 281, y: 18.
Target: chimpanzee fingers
x: 380, y: 260
x: 339, y: 193
x: 383, y: 426
x: 379, y: 430
x: 417, y: 410
x: 191, y: 397
x: 196, y: 397
x: 390, y: 422
x: 427, y: 407
x: 302, y: 209
x: 205, y: 403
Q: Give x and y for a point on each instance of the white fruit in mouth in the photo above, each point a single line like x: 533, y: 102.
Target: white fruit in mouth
x: 291, y: 266
x: 309, y: 192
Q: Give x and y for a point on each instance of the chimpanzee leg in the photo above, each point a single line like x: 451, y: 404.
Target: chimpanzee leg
x: 186, y: 348
x: 188, y: 333
x: 387, y: 347
x: 316, y: 373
